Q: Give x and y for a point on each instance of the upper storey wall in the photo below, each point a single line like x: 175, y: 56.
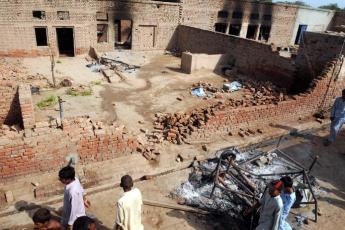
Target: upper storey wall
x: 153, y: 24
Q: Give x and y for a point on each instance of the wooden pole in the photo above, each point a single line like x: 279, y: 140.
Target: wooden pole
x: 52, y: 61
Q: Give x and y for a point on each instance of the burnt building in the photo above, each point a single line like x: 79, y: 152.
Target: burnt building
x: 32, y: 28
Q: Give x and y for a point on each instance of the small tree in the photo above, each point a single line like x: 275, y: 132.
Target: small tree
x: 332, y: 6
x: 297, y: 3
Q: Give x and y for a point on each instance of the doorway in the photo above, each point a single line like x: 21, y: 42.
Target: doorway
x: 123, y: 34
x: 147, y: 37
x: 221, y: 27
x: 65, y: 40
x: 252, y: 32
x: 235, y: 29
x: 264, y: 32
x: 300, y: 32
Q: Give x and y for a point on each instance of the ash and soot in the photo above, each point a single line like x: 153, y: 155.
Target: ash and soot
x: 233, y: 181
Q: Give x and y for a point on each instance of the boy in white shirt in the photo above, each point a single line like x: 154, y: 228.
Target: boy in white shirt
x: 129, y: 206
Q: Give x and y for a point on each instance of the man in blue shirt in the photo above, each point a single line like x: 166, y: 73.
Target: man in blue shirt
x: 337, y: 118
x: 288, y: 197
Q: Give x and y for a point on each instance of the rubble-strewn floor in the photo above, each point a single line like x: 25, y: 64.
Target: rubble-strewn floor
x: 158, y: 86
x: 153, y: 88
x: 303, y: 147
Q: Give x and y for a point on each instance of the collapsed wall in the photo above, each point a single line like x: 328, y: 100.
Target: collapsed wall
x: 314, y: 54
x: 10, y: 113
x: 338, y: 22
x: 46, y: 147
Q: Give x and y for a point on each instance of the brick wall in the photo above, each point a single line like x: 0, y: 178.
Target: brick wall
x: 26, y: 106
x: 46, y: 148
x: 315, y: 52
x: 153, y: 28
x: 252, y: 58
x: 338, y: 22
x: 9, y: 103
x: 18, y: 35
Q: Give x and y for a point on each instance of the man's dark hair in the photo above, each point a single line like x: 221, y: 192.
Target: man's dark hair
x: 287, y: 181
x: 82, y: 223
x: 126, y: 182
x: 42, y: 216
x: 343, y: 91
x: 67, y: 173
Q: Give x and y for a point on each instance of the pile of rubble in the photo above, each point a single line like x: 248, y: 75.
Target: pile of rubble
x: 11, y: 70
x: 210, y: 88
x: 255, y: 92
x: 147, y: 144
x: 11, y: 131
x: 175, y: 127
x: 261, y: 93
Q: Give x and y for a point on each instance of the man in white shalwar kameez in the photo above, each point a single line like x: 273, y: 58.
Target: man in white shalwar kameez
x: 271, y: 207
x: 128, y: 215
x: 337, y: 118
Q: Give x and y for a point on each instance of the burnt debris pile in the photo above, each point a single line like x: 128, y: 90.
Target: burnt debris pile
x: 234, y: 180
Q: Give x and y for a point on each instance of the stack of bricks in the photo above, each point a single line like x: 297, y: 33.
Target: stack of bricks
x: 26, y: 106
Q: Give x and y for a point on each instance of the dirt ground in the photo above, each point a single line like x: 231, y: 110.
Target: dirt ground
x: 302, y: 147
x: 154, y: 88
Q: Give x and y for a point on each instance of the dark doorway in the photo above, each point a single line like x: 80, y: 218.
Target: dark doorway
x: 264, y: 32
x: 252, y: 31
x: 221, y: 27
x: 123, y: 34
x: 41, y: 36
x: 299, y: 36
x: 235, y: 29
x: 65, y: 40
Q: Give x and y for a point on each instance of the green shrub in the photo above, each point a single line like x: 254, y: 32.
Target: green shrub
x: 86, y: 92
x: 98, y: 82
x: 47, y: 102
x: 75, y: 92
x: 72, y: 92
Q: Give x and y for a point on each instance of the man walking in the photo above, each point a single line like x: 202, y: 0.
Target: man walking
x: 337, y: 118
x: 128, y: 215
x: 288, y: 197
x: 74, y: 201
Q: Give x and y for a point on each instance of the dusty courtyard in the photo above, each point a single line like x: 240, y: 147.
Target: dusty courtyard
x: 301, y: 146
x: 158, y: 86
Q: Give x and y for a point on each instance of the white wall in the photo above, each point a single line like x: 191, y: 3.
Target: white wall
x: 317, y: 20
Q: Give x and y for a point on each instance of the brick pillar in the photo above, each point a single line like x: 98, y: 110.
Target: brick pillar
x: 26, y: 106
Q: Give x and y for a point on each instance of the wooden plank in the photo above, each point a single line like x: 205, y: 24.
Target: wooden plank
x: 175, y: 207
